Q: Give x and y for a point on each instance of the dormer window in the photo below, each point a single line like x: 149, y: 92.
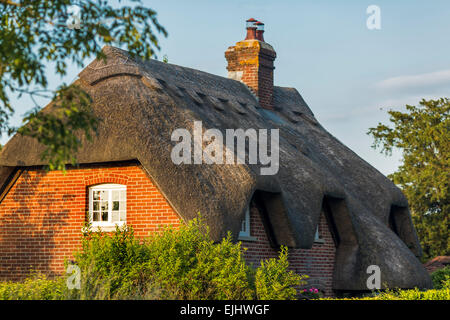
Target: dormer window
x: 245, y: 226
x: 244, y: 233
x: 107, y: 206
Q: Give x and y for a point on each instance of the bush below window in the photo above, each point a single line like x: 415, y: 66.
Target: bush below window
x: 181, y: 263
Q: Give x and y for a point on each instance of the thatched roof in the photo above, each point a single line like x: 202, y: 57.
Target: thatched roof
x: 142, y: 103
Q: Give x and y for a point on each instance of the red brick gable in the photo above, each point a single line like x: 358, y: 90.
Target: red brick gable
x: 43, y: 213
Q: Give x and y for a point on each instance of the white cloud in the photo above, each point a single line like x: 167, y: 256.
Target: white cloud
x: 376, y: 109
x: 424, y: 80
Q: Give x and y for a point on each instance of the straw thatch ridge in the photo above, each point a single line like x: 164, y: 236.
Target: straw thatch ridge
x: 142, y: 103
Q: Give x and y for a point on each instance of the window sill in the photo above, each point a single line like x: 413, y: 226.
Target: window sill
x: 107, y: 227
x: 319, y: 241
x: 247, y: 238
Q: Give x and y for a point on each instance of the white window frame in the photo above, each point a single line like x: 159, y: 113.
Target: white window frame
x: 244, y: 233
x: 106, y: 225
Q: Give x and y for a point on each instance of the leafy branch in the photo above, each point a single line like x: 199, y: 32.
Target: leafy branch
x: 35, y: 33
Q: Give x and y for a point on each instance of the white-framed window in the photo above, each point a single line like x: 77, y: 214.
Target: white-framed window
x: 108, y: 205
x: 245, y: 226
x: 244, y: 233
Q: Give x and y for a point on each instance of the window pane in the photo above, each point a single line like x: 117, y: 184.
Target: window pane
x: 104, y: 209
x: 243, y: 226
x: 123, y: 216
x: 115, y: 195
x: 95, y: 216
x: 100, y: 195
x: 96, y: 195
x: 123, y: 195
x: 115, y: 206
x: 95, y: 206
x: 115, y: 216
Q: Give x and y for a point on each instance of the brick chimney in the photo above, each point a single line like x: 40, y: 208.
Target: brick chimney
x: 251, y: 61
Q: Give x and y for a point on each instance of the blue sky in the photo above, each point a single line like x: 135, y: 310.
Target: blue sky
x: 349, y: 75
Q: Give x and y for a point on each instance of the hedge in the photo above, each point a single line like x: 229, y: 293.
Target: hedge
x: 181, y: 263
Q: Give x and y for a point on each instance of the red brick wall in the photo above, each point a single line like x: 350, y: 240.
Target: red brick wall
x: 42, y: 215
x: 317, y: 262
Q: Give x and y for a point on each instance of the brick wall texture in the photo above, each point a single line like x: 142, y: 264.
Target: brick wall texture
x: 256, y: 63
x: 317, y: 262
x: 42, y: 215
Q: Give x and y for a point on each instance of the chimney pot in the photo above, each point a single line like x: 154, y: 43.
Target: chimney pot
x: 251, y: 22
x: 259, y: 31
x: 251, y: 29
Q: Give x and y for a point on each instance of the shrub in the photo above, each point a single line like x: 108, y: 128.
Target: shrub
x: 109, y: 265
x: 414, y: 294
x: 186, y: 264
x: 275, y: 282
x: 173, y: 263
x: 37, y: 287
x: 441, y: 276
x: 179, y: 263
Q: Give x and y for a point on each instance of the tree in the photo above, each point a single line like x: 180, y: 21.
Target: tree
x: 423, y: 135
x: 33, y: 33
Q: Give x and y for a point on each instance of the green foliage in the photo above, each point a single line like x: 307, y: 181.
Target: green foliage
x: 422, y: 133
x: 441, y: 278
x: 275, y: 282
x: 181, y: 263
x: 415, y: 294
x: 70, y: 113
x: 188, y: 265
x: 108, y: 264
x: 171, y: 264
x: 37, y: 287
x: 35, y: 32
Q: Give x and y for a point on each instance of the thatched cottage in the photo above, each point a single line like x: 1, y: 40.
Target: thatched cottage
x: 336, y: 213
